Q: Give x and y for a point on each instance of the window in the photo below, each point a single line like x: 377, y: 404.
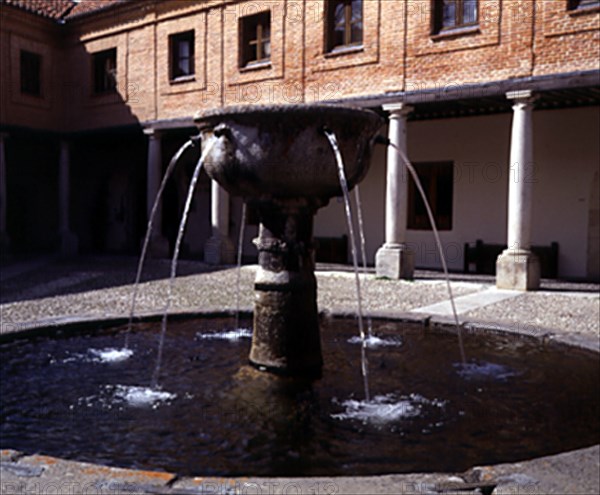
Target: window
x: 344, y: 23
x: 105, y: 71
x: 255, y: 39
x: 582, y: 4
x: 31, y: 66
x: 437, y: 181
x: 182, y: 55
x: 452, y: 14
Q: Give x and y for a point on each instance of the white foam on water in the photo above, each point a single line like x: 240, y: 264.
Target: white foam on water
x: 475, y: 370
x: 374, y: 341
x: 111, y: 355
x: 383, y: 409
x: 107, y: 355
x: 237, y: 334
x: 142, y: 396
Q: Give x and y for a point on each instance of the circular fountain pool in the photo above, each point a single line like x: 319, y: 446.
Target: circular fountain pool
x: 80, y: 397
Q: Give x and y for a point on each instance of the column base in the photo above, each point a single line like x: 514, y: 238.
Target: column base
x: 68, y: 243
x: 517, y: 269
x: 158, y: 247
x: 219, y: 250
x: 395, y: 261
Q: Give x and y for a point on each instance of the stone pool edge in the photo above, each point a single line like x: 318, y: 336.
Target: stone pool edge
x: 572, y: 472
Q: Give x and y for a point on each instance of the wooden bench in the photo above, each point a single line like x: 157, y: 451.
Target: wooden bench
x: 483, y: 256
x: 332, y: 249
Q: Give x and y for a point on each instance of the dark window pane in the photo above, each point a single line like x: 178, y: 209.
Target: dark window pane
x: 357, y: 33
x: 255, y: 38
x: 344, y: 23
x: 469, y: 11
x: 437, y: 181
x: 182, y: 54
x: 449, y: 13
x: 31, y: 66
x: 577, y: 4
x: 105, y: 71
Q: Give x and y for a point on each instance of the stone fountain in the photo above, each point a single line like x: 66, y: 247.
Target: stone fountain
x: 278, y: 159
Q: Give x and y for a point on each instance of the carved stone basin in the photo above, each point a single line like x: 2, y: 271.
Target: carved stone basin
x: 279, y: 160
x: 281, y: 151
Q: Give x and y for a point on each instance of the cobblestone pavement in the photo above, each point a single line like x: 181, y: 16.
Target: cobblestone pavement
x: 47, y: 289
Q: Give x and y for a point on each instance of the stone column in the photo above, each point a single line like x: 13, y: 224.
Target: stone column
x: 219, y: 249
x: 69, y: 243
x: 394, y: 259
x: 285, y: 337
x: 158, y: 246
x: 4, y: 239
x: 517, y: 267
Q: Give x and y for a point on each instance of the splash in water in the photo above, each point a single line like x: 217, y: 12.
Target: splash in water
x: 142, y: 396
x: 111, y: 355
x: 237, y: 334
x: 384, y: 409
x: 344, y: 185
x: 373, y: 341
x: 157, y: 200
x: 182, y: 225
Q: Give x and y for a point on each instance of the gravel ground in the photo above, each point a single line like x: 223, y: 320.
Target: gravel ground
x: 101, y: 286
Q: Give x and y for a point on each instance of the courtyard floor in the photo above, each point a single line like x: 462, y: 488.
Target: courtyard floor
x: 47, y: 291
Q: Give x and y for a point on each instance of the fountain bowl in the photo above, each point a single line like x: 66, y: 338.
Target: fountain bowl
x: 281, y: 151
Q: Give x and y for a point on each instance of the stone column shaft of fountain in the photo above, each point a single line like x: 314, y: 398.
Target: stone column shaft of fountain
x: 286, y: 323
x: 279, y: 160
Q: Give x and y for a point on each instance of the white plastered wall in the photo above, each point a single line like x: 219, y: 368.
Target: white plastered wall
x: 567, y: 154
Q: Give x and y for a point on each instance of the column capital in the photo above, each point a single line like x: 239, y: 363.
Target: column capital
x: 525, y: 96
x: 397, y: 109
x: 152, y: 133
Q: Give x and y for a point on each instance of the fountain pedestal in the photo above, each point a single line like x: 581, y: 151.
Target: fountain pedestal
x: 286, y: 322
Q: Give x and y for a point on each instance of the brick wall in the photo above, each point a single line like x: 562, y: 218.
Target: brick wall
x: 513, y: 38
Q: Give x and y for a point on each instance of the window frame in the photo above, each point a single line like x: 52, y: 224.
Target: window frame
x: 106, y: 88
x: 348, y: 44
x: 437, y: 17
x: 175, y: 57
x: 251, y: 32
x: 420, y: 220
x: 30, y: 80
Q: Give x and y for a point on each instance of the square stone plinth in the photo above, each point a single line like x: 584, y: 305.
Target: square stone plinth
x: 517, y: 270
x: 395, y: 262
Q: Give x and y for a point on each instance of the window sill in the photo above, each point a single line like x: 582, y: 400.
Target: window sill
x: 250, y: 66
x: 455, y: 33
x: 344, y: 50
x: 183, y: 79
x: 589, y: 9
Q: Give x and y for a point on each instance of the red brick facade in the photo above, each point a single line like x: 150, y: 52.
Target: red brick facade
x: 512, y: 39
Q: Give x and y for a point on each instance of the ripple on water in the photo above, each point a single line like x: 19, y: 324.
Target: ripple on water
x: 484, y: 370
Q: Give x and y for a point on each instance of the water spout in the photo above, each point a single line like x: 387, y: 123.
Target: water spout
x: 344, y: 185
x: 180, y: 233
x: 172, y: 164
x: 240, y: 250
x: 438, y: 242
